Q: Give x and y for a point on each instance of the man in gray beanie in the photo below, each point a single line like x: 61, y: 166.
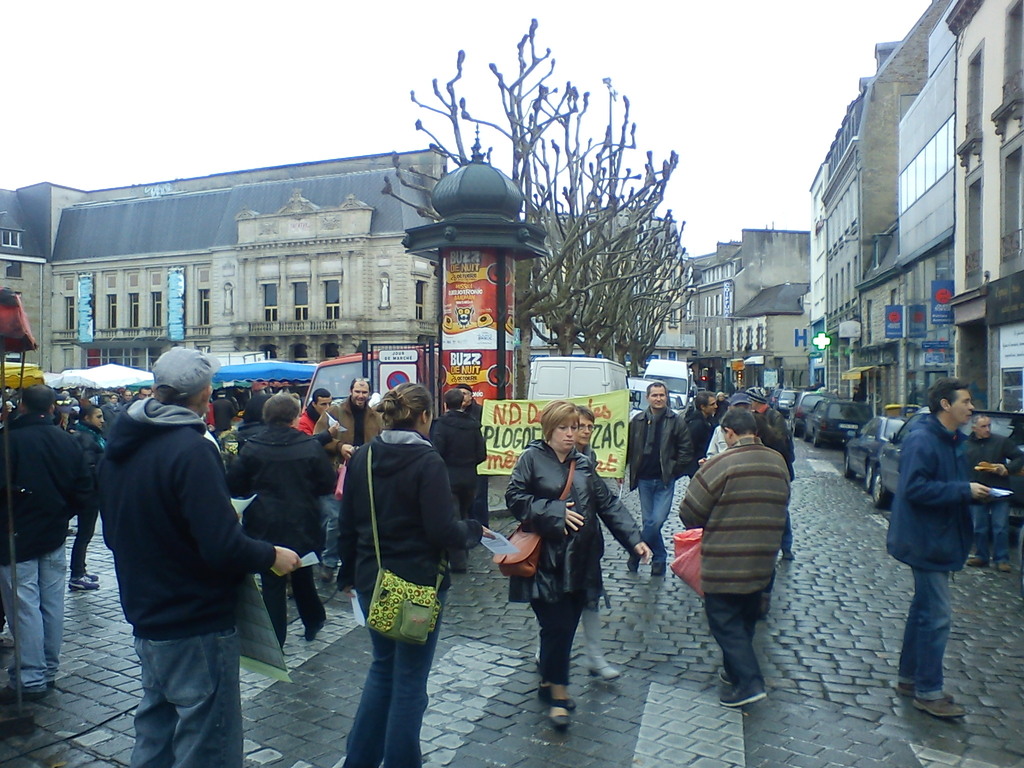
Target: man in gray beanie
x: 180, y: 557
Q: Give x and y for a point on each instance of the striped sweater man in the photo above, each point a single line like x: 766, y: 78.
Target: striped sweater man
x: 739, y: 498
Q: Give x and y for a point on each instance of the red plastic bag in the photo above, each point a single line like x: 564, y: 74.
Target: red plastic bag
x: 341, y: 482
x: 687, y: 561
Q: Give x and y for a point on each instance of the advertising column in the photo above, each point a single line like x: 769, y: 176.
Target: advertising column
x: 469, y: 327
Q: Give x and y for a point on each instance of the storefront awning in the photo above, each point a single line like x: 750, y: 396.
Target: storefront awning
x: 854, y: 373
x: 754, y: 360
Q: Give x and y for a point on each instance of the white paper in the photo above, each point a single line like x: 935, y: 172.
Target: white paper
x: 499, y: 545
x: 311, y: 559
x: 240, y: 505
x: 331, y: 421
x: 357, y: 610
x: 997, y: 492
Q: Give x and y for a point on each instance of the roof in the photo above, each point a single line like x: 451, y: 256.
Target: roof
x: 12, y: 216
x: 785, y: 299
x: 197, y: 221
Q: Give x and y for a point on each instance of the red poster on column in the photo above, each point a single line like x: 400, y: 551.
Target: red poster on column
x: 470, y: 323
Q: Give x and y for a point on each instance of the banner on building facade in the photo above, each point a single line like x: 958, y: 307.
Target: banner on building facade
x: 176, y: 303
x: 469, y: 326
x: 917, y: 322
x: 942, y: 295
x: 85, y: 314
x: 510, y: 425
x: 893, y: 321
x: 727, y: 299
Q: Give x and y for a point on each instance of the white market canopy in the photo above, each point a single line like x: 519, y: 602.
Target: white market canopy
x: 106, y: 376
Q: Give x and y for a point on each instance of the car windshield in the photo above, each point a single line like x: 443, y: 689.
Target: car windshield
x: 858, y: 412
x: 810, y: 401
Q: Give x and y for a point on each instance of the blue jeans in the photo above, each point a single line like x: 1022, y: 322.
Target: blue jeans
x: 993, y: 520
x: 655, y: 504
x: 390, y: 714
x: 190, y: 715
x: 40, y: 619
x: 330, y: 509
x: 926, y: 634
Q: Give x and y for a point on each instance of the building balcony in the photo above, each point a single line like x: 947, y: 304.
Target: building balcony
x: 1012, y: 107
x: 971, y: 145
x: 126, y: 334
x: 278, y: 327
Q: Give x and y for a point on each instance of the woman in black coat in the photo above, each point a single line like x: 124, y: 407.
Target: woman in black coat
x: 569, y: 572
x: 288, y: 471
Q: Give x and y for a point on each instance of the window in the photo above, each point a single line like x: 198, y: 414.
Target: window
x: 975, y: 83
x: 111, y: 310
x: 300, y: 291
x: 270, y: 303
x: 1013, y: 195
x: 1014, y: 40
x: 156, y: 308
x: 421, y: 293
x: 70, y: 313
x: 332, y: 301
x: 204, y: 306
x: 10, y: 238
x: 13, y: 269
x: 133, y: 310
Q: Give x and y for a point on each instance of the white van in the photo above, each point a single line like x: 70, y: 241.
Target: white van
x: 552, y: 378
x: 675, y: 374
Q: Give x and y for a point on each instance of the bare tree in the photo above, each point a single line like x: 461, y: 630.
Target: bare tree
x: 609, y: 280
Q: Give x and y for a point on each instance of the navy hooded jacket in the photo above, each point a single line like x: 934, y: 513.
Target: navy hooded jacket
x: 930, y: 527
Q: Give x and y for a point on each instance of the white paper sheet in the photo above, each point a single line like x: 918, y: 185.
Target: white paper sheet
x: 357, y: 610
x: 997, y: 492
x: 499, y: 545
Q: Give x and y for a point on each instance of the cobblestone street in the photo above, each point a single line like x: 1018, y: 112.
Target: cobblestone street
x: 830, y: 648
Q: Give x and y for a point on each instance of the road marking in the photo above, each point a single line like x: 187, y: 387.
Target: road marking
x: 936, y: 758
x: 823, y: 466
x: 684, y: 722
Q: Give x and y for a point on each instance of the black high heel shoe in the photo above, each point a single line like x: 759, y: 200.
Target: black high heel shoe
x: 558, y: 715
x: 544, y: 694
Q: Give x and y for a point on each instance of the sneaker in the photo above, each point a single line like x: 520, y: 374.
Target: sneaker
x: 736, y: 698
x: 942, y: 708
x: 80, y: 584
x: 92, y: 577
x: 1005, y: 568
x: 633, y: 563
x: 724, y: 676
x: 977, y: 562
x: 10, y: 695
x: 787, y: 554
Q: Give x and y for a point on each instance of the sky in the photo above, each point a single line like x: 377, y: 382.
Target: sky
x: 749, y: 93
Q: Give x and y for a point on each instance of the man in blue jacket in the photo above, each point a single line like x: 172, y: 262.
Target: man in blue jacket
x: 930, y: 530
x: 180, y: 557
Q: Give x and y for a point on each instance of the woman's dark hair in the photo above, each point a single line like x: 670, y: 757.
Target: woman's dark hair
x: 281, y: 410
x: 87, y: 411
x: 253, y: 412
x: 944, y: 389
x: 586, y: 413
x: 403, y: 406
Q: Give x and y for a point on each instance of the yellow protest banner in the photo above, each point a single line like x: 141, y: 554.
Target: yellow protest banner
x: 510, y: 425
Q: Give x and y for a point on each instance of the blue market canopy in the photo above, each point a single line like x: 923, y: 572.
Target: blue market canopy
x: 266, y: 370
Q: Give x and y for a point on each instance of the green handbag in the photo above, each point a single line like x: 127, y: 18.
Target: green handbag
x: 399, y: 609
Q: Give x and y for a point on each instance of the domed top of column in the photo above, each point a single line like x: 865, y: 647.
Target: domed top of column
x: 477, y: 189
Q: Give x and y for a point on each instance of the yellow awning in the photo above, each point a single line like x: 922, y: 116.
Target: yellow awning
x: 854, y: 373
x: 12, y: 377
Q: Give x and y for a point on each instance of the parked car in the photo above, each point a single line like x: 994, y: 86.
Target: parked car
x: 835, y: 421
x: 802, y: 406
x: 861, y: 455
x: 886, y: 478
x: 783, y: 400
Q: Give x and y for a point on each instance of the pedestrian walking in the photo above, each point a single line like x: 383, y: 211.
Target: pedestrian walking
x: 930, y: 530
x: 180, y: 557
x: 288, y: 472
x: 739, y: 498
x: 457, y: 437
x: 658, y: 453
x: 481, y: 509
x: 993, y: 459
x: 88, y: 431
x: 555, y: 493
x: 701, y: 426
x: 416, y: 526
x: 50, y: 484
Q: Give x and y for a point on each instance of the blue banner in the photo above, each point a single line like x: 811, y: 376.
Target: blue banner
x: 942, y: 294
x: 917, y: 322
x: 176, y: 304
x: 85, y: 320
x: 893, y: 321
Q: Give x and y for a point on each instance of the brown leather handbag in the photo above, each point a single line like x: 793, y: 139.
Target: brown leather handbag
x: 524, y: 562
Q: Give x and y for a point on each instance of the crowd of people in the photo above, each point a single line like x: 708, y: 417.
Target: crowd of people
x: 366, y: 488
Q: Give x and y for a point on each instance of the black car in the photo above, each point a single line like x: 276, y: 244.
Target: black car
x: 862, y: 451
x: 882, y: 485
x: 835, y: 421
x: 805, y: 401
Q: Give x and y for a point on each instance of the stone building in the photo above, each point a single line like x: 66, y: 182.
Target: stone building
x: 22, y: 259
x: 988, y: 254
x: 302, y: 262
